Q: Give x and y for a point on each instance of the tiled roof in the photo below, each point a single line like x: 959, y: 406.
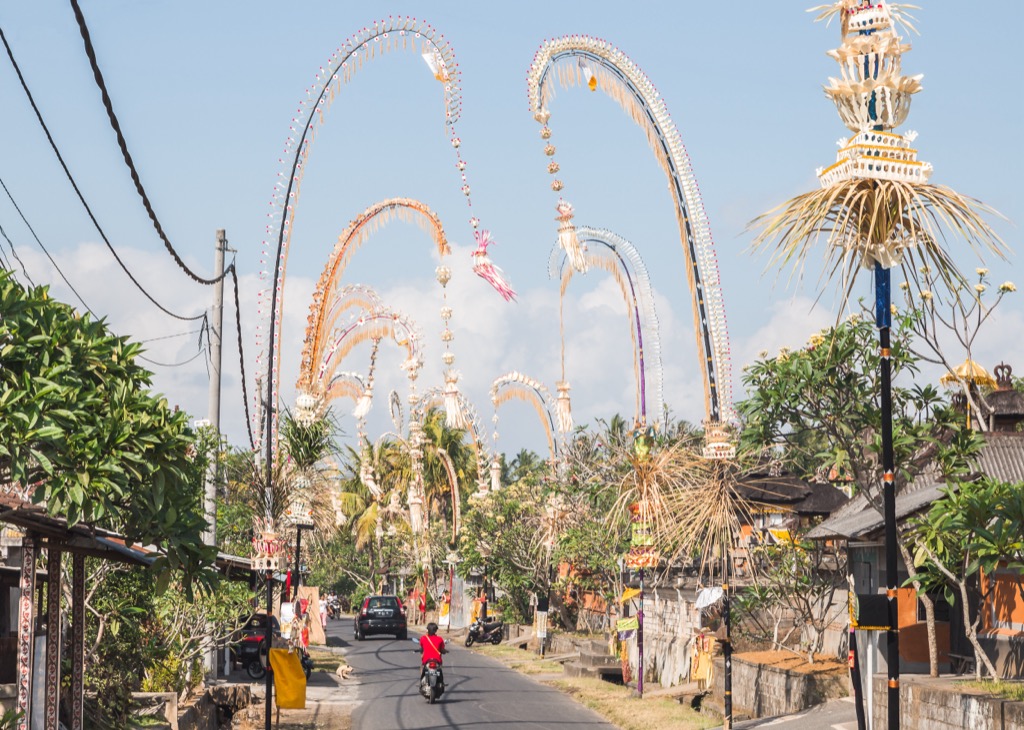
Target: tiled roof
x: 1002, y: 458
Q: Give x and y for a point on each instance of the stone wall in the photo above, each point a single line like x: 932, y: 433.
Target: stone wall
x: 763, y: 691
x: 670, y: 622
x: 940, y: 704
x: 202, y: 713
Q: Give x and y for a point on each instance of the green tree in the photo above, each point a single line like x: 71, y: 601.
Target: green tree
x: 973, y: 530
x: 81, y: 433
x: 818, y: 408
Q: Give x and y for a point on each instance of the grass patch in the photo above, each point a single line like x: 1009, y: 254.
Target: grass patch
x: 1003, y: 689
x: 617, y: 704
x: 327, y: 661
x: 621, y: 707
x: 525, y: 662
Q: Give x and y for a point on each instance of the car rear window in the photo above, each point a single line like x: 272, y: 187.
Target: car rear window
x: 383, y: 602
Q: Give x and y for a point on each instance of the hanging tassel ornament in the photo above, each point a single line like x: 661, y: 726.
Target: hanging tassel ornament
x: 563, y: 407
x: 495, y: 473
x: 567, y: 237
x: 588, y: 75
x: 455, y: 416
x: 366, y: 475
x: 363, y: 405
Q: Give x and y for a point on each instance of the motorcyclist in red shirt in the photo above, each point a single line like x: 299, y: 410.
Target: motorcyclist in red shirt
x: 431, y: 647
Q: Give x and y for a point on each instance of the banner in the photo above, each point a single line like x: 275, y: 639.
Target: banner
x: 542, y: 624
x: 289, y: 679
x: 627, y: 627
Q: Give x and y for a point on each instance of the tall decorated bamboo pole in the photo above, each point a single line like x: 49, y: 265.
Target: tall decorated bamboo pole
x: 878, y: 212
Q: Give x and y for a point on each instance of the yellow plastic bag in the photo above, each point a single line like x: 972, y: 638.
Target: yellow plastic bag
x: 289, y: 679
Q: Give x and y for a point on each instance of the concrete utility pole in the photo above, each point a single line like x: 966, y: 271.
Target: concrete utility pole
x: 216, y: 332
x: 210, y: 484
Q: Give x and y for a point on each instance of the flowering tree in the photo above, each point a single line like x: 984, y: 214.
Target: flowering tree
x: 81, y: 433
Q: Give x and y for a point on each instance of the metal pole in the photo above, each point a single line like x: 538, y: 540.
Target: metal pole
x: 297, y: 578
x: 727, y: 643
x: 858, y: 692
x: 640, y: 640
x: 883, y: 320
x: 269, y: 638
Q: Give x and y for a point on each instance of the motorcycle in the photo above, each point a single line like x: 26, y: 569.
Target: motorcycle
x: 252, y: 654
x: 333, y: 608
x: 431, y: 684
x: 480, y: 632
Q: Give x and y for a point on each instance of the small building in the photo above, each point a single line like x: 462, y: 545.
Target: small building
x: 861, y: 526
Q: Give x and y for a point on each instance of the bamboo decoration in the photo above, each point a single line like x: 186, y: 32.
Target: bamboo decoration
x: 877, y: 211
x: 522, y: 387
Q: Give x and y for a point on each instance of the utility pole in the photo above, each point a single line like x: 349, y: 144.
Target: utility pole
x: 213, y: 409
x: 210, y: 484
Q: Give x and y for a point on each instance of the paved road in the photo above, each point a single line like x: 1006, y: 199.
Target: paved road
x: 833, y: 715
x: 481, y: 693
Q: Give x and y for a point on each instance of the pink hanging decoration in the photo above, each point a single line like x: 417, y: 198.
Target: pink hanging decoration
x: 486, y: 270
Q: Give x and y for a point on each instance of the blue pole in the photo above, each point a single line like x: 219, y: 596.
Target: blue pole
x: 883, y: 320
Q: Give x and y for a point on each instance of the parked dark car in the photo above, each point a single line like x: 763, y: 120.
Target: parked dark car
x: 381, y: 615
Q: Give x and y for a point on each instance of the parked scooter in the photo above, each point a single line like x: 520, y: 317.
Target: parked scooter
x: 481, y: 633
x: 252, y: 653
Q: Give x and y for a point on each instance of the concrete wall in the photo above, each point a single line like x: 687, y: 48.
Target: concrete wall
x: 670, y: 622
x: 763, y: 691
x: 938, y: 704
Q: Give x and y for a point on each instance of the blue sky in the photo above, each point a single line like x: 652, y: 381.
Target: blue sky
x: 205, y: 93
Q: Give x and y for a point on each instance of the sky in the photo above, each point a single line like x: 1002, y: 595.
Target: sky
x: 205, y: 93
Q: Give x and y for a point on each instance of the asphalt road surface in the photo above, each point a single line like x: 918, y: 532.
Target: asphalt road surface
x: 480, y: 692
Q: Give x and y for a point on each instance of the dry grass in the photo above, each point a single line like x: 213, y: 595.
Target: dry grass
x: 1004, y: 689
x: 620, y: 706
x: 617, y: 704
x: 524, y: 662
x: 791, y: 662
x: 326, y: 661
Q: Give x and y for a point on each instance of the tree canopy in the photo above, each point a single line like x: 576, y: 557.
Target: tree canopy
x: 81, y: 433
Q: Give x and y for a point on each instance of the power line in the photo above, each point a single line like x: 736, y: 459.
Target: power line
x: 171, y: 337
x: 241, y: 357
x: 33, y: 232
x: 172, y: 364
x: 14, y: 253
x: 60, y: 158
x: 108, y: 105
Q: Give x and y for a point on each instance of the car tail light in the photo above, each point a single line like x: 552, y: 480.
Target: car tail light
x: 365, y: 611
x: 401, y: 608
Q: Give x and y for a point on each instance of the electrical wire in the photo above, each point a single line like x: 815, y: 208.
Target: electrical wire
x: 170, y: 337
x: 108, y: 105
x: 60, y: 158
x: 33, y: 232
x: 172, y: 364
x: 241, y: 356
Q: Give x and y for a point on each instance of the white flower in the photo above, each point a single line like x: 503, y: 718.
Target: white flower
x: 926, y: 295
x: 981, y: 271
x: 925, y: 270
x: 980, y: 288
x: 905, y: 285
x: 1007, y: 286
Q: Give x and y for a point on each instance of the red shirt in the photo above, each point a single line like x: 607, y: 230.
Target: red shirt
x: 431, y: 646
